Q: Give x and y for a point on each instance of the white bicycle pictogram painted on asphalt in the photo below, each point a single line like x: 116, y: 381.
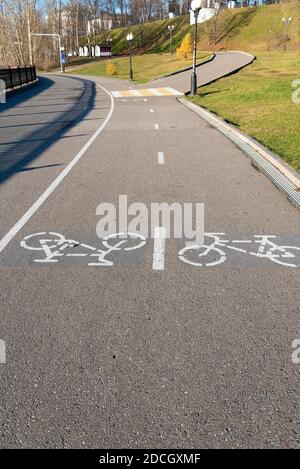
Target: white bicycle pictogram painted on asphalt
x: 55, y: 245
x: 214, y: 253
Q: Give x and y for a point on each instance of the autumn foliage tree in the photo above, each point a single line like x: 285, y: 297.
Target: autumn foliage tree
x: 186, y: 47
x: 111, y: 69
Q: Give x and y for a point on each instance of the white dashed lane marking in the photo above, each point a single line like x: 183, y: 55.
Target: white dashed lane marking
x: 159, y: 248
x: 161, y: 158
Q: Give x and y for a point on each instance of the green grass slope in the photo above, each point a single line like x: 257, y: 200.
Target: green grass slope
x: 258, y: 100
x: 249, y: 28
x: 145, y: 67
x: 148, y: 37
x: 240, y: 29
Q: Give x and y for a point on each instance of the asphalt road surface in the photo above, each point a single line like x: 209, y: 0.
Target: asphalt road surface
x: 196, y: 354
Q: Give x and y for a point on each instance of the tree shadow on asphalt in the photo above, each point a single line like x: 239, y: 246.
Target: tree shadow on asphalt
x: 15, y: 155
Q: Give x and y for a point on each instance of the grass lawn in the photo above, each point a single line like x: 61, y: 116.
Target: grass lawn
x: 258, y: 100
x: 145, y: 67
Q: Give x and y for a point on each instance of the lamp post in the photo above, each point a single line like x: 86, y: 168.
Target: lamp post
x: 170, y: 28
x: 286, y: 22
x: 56, y: 36
x: 129, y: 38
x: 109, y: 41
x: 269, y: 42
x: 196, y: 7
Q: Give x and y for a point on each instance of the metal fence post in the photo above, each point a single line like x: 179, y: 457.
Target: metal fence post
x: 26, y: 74
x: 20, y: 78
x: 11, y: 78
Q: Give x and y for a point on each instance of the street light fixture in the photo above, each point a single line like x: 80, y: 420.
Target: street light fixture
x: 129, y: 38
x: 269, y: 42
x: 56, y: 36
x: 109, y: 41
x: 286, y: 22
x: 170, y: 28
x: 196, y: 6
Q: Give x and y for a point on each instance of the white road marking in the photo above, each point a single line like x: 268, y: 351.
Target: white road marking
x: 241, y: 241
x: 156, y: 126
x: 151, y: 110
x: 87, y: 246
x: 76, y: 255
x: 156, y: 92
x: 144, y: 92
x: 159, y: 248
x: 146, y: 100
x: 116, y: 94
x: 160, y: 158
x: 2, y: 351
x: 31, y: 211
x: 136, y: 93
x: 173, y: 91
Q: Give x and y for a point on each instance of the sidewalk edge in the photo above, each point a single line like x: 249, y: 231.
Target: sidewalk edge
x: 280, y: 174
x: 210, y: 59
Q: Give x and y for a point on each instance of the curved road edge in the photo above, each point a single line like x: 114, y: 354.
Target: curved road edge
x: 252, y: 58
x: 210, y: 59
x: 222, y: 64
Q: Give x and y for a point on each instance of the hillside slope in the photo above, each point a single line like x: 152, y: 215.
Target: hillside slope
x: 249, y: 28
x: 242, y: 29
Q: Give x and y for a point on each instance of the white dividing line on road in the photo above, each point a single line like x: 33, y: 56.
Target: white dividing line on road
x: 146, y: 100
x: 151, y: 110
x: 159, y: 248
x: 31, y: 211
x: 160, y: 158
x: 156, y: 126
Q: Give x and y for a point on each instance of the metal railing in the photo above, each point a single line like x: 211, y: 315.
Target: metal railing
x: 17, y: 76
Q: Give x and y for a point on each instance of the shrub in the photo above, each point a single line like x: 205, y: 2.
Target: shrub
x: 186, y: 47
x: 111, y: 69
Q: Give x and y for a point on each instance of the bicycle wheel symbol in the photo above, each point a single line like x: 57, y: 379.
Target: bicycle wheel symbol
x: 193, y: 255
x: 134, y: 241
x: 36, y: 241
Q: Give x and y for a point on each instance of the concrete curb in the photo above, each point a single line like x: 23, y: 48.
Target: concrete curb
x: 284, y: 177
